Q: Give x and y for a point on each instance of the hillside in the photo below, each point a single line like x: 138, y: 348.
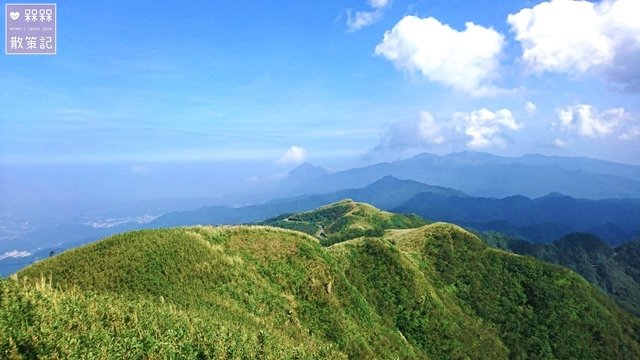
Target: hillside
x: 345, y: 220
x: 613, y: 269
x: 436, y: 292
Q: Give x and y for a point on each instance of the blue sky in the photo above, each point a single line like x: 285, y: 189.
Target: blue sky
x: 289, y: 81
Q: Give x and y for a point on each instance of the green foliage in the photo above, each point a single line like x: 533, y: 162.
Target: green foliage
x: 614, y: 270
x: 260, y: 292
x: 406, y: 299
x: 628, y: 256
x: 542, y: 311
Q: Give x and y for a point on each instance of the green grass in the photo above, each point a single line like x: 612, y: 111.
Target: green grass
x: 38, y: 321
x: 433, y: 292
x: 540, y: 310
x: 261, y: 278
x: 345, y: 220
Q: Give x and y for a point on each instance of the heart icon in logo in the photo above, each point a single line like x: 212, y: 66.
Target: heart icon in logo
x: 14, y: 15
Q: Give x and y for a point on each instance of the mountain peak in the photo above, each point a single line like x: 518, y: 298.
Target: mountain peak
x: 388, y: 179
x: 423, y: 155
x: 391, y: 184
x: 555, y: 195
x: 307, y: 170
x: 472, y: 157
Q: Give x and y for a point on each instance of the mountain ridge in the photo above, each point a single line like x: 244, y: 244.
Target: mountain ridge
x: 519, y: 212
x: 493, y: 176
x: 435, y: 291
x: 388, y: 192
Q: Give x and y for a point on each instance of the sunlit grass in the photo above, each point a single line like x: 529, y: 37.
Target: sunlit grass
x: 434, y: 291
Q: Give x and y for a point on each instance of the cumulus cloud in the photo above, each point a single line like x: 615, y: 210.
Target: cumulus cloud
x: 530, y: 108
x: 578, y: 36
x: 464, y: 60
x: 422, y: 131
x: 585, y: 120
x: 356, y: 20
x: 293, y: 156
x: 485, y: 126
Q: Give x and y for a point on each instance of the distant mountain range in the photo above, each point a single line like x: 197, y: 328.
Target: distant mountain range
x: 480, y: 174
x: 543, y: 219
x: 386, y: 193
x: 539, y: 220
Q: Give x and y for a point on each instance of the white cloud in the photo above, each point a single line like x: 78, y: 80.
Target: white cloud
x: 14, y: 254
x: 530, y: 108
x: 420, y: 132
x: 560, y: 143
x: 631, y: 133
x: 428, y: 130
x: 379, y: 4
x: 359, y: 19
x: 585, y: 120
x: 484, y: 126
x: 578, y: 36
x: 464, y: 60
x: 293, y: 156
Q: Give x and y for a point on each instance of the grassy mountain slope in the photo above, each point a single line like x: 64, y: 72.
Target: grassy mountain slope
x: 538, y: 309
x: 263, y: 280
x: 345, y: 220
x: 435, y: 292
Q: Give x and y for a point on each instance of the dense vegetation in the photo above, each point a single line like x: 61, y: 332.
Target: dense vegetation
x: 616, y: 270
x: 436, y: 292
